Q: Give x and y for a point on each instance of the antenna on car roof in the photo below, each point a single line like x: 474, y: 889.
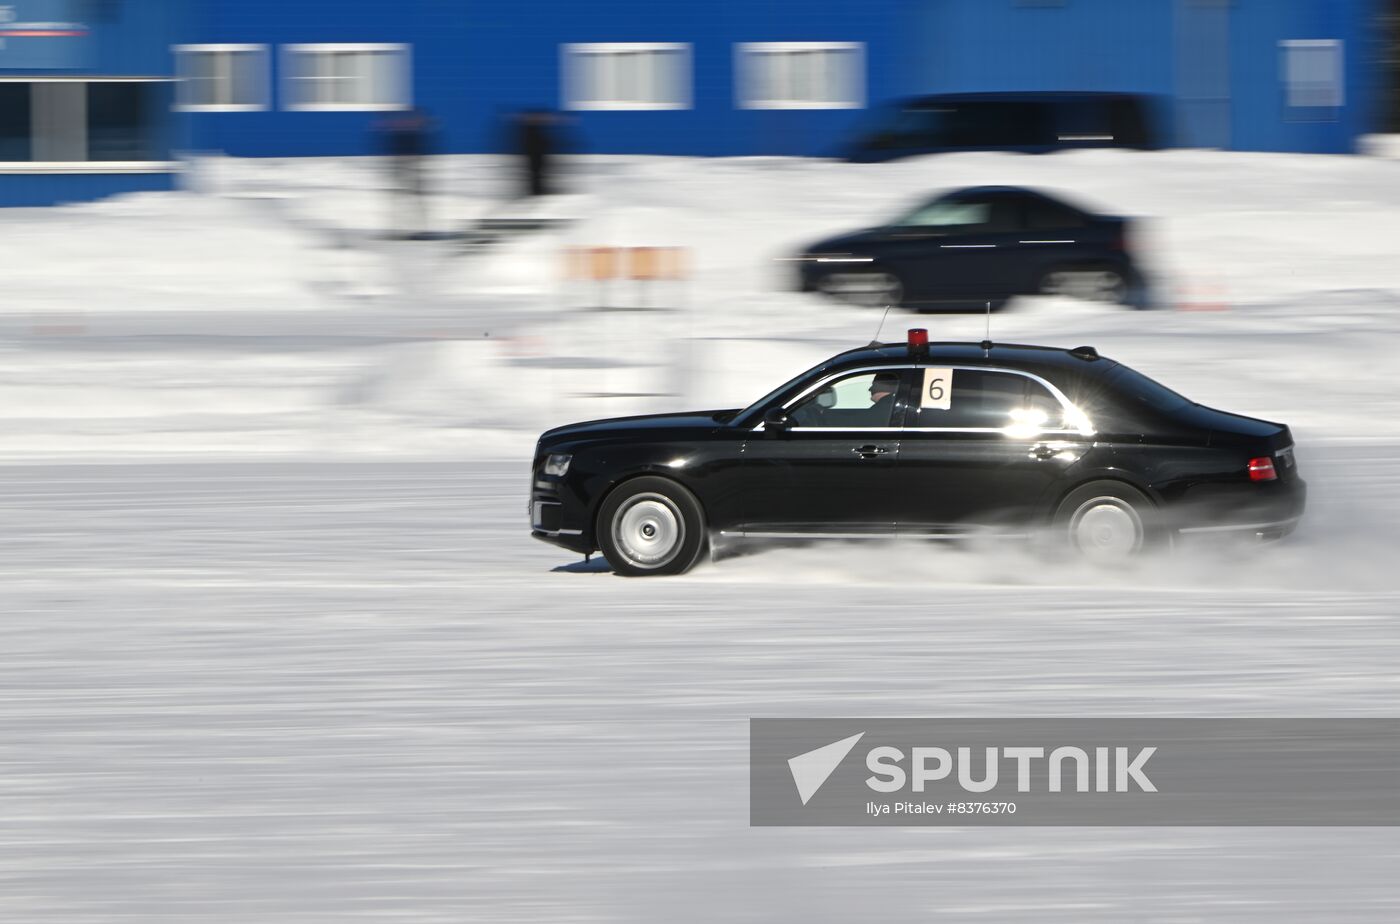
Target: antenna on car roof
x: 876, y: 341
x: 987, y: 341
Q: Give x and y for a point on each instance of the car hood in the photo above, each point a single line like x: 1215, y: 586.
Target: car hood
x: 689, y: 420
x: 850, y: 243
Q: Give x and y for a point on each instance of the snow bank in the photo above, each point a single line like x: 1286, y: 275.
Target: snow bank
x: 262, y: 309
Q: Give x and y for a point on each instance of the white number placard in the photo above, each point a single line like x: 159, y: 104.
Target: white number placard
x: 938, y: 389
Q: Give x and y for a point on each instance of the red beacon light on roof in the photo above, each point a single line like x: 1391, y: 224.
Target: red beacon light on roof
x: 918, y: 339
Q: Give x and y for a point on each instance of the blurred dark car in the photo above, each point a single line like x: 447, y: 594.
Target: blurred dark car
x: 1031, y: 123
x: 959, y: 250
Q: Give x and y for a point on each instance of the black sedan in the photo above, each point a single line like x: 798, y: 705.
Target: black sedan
x: 959, y: 250
x: 930, y: 442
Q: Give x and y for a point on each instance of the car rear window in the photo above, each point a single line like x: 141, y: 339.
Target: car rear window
x: 1137, y: 387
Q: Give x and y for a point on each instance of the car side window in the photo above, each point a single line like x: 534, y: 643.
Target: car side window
x: 949, y: 214
x: 1044, y: 215
x: 1005, y: 216
x: 981, y: 399
x: 857, y: 401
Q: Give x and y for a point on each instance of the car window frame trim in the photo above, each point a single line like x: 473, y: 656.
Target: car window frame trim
x: 1065, y: 404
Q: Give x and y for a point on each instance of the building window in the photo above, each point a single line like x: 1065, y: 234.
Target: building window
x: 346, y: 77
x: 68, y: 120
x: 221, y: 78
x: 1312, y: 73
x: 629, y: 75
x: 800, y: 75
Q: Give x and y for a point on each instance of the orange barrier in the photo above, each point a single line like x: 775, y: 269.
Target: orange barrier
x: 1202, y: 296
x: 635, y: 264
x: 600, y: 264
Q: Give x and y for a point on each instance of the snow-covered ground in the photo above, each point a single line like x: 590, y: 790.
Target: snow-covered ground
x: 276, y: 645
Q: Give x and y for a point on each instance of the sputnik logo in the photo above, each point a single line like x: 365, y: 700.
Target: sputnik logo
x: 812, y: 769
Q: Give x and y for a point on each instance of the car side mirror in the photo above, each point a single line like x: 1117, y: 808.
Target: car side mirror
x: 776, y: 419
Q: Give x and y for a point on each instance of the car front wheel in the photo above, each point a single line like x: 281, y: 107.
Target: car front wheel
x: 870, y: 288
x: 1107, y: 521
x: 651, y: 526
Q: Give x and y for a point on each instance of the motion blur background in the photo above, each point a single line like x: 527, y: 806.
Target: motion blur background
x: 290, y: 289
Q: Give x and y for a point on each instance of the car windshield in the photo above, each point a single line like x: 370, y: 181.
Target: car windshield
x: 1135, y: 385
x: 758, y: 406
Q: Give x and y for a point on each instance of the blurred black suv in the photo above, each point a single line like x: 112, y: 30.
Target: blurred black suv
x: 1031, y: 123
x: 960, y: 250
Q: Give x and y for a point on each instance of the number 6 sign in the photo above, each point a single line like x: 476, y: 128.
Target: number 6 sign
x: 938, y: 389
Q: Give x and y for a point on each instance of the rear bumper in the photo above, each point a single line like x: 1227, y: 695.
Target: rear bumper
x: 1268, y: 511
x: 1275, y: 529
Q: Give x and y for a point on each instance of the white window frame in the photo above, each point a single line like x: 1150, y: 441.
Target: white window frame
x: 569, y: 83
x: 1286, y: 48
x: 745, y: 77
x: 290, y: 80
x: 264, y: 87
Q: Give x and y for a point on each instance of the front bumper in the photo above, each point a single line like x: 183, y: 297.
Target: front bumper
x: 557, y: 517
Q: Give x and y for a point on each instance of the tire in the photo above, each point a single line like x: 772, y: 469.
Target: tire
x: 1105, y: 284
x: 1107, y: 522
x: 868, y: 288
x: 651, y: 526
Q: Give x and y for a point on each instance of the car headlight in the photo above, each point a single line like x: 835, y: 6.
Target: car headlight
x: 557, y: 463
x: 839, y: 258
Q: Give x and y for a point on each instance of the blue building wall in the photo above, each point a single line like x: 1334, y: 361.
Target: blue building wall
x: 475, y: 63
x: 1216, y: 64
x: 123, y: 37
x: 19, y: 190
x: 113, y: 39
x: 1261, y: 118
x: 970, y: 46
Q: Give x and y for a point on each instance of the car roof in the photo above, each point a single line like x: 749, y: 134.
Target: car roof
x: 997, y: 190
x: 986, y: 353
x: 1027, y: 192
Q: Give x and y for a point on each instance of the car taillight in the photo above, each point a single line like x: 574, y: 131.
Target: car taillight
x: 1262, y: 469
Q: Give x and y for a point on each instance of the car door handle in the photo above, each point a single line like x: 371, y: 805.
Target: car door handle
x: 869, y: 452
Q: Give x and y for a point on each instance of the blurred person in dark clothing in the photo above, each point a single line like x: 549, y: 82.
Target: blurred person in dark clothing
x: 407, y: 141
x: 536, y: 142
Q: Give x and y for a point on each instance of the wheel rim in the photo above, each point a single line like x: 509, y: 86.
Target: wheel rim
x: 1106, y: 528
x: 648, y: 530
x: 864, y: 288
x: 1091, y: 285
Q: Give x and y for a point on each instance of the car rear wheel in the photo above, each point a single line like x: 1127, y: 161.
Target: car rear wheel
x: 1107, y: 521
x: 876, y: 288
x: 1092, y: 283
x: 651, y: 526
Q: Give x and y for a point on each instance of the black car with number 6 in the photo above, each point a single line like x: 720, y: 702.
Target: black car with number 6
x: 924, y: 441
